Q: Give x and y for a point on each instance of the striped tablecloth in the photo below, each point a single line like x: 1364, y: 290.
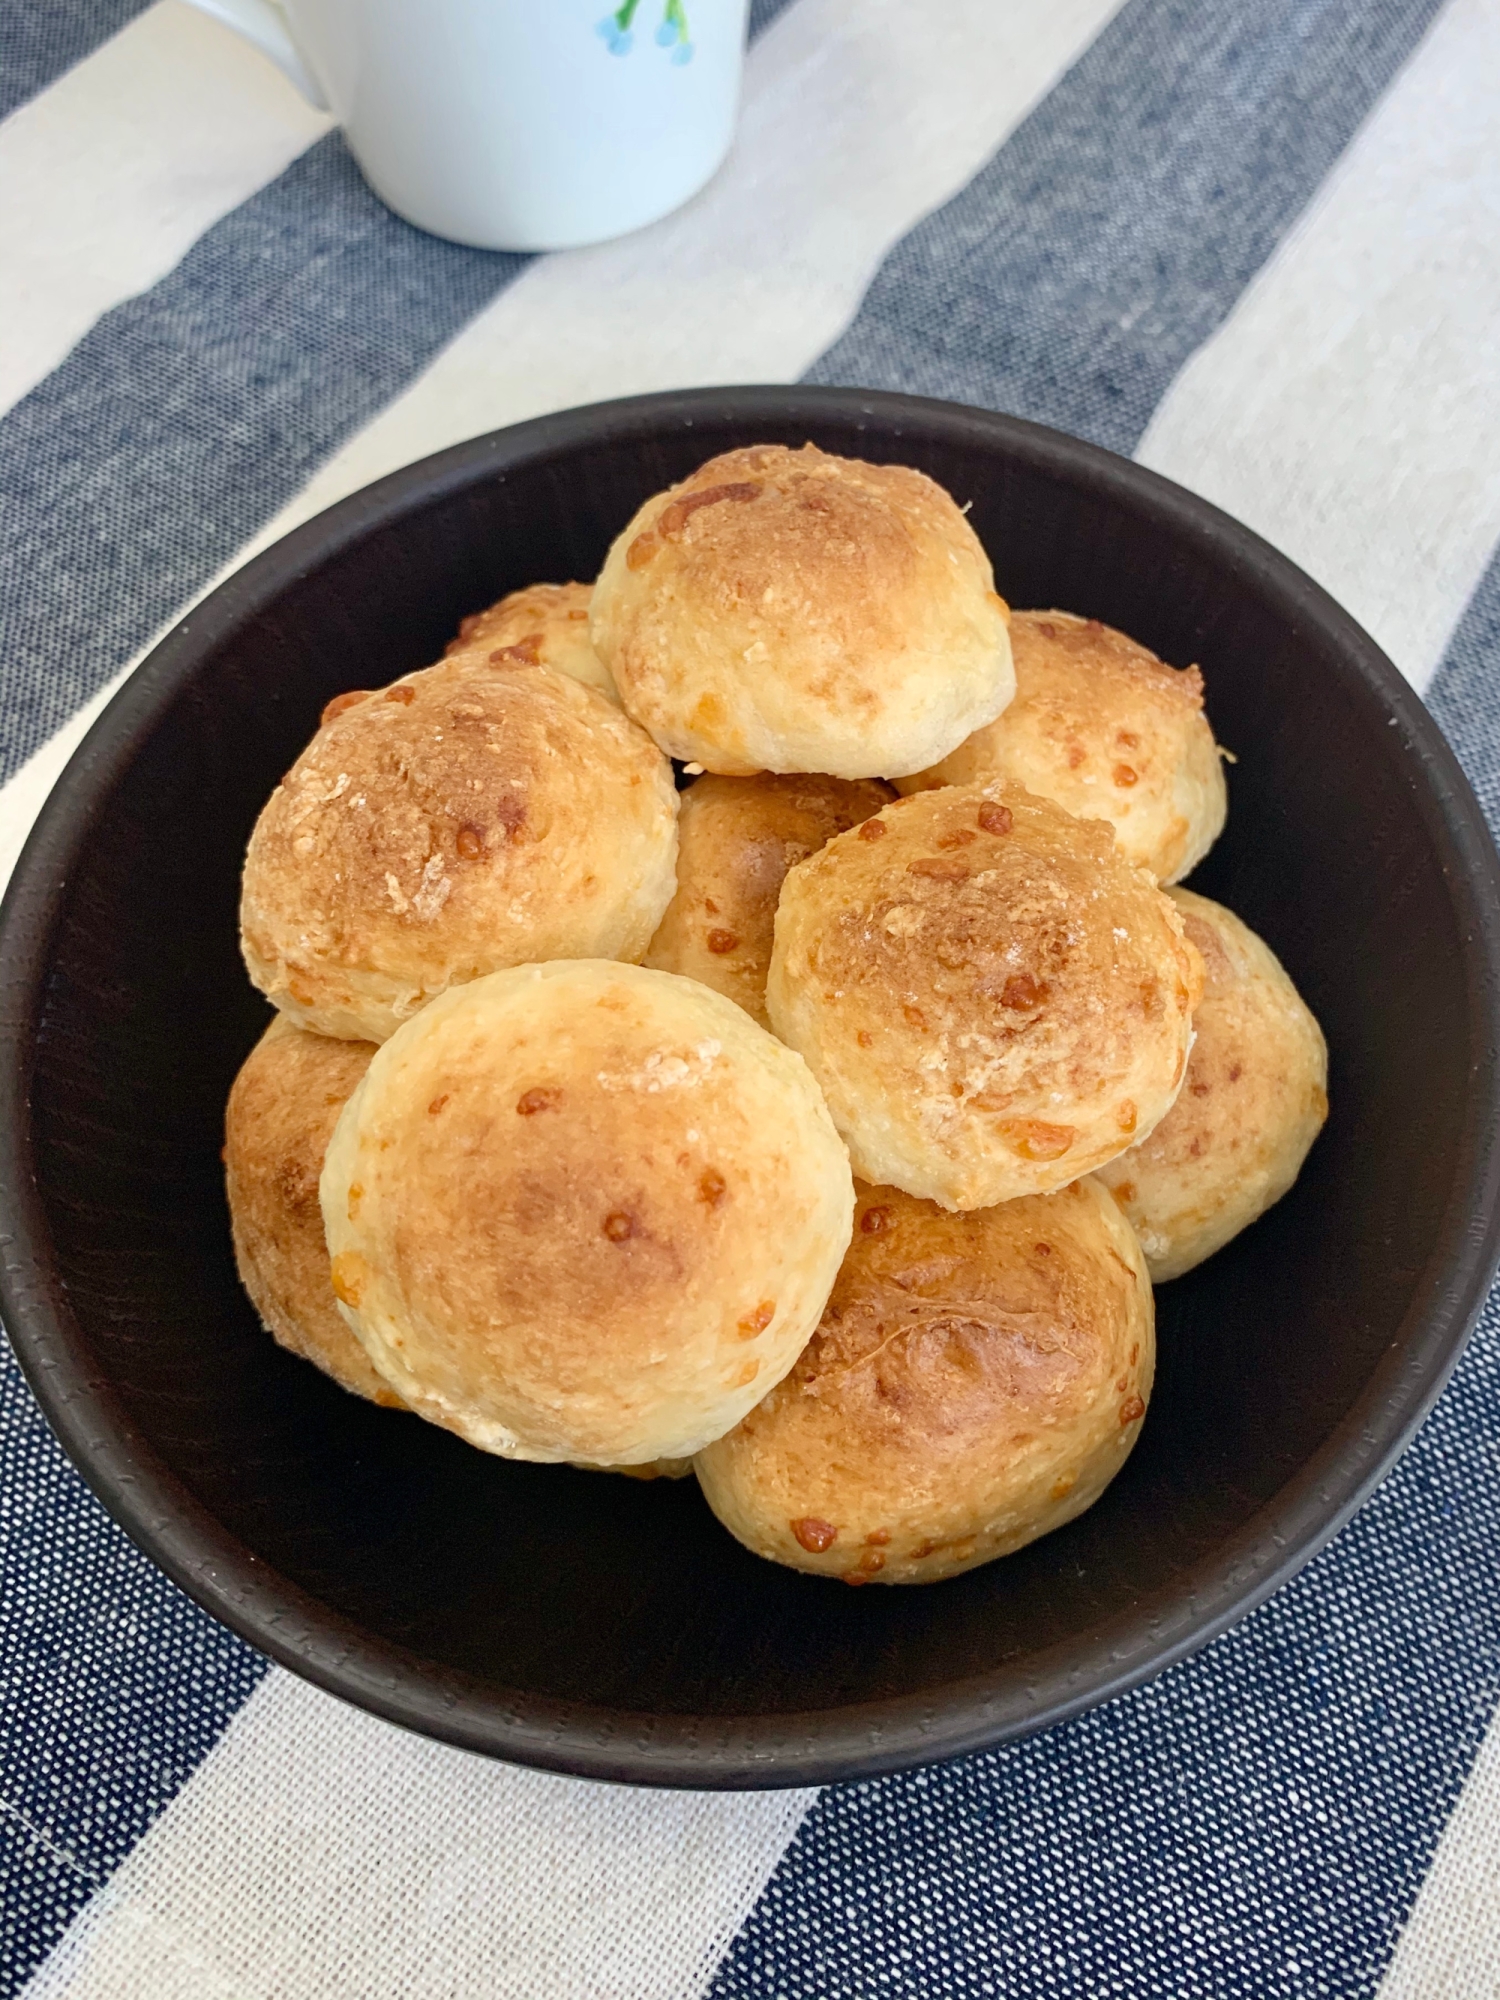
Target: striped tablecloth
x: 1256, y: 243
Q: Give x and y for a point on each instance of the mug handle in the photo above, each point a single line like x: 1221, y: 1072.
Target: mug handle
x: 263, y: 24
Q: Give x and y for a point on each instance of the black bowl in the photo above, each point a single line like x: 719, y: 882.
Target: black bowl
x: 592, y: 1624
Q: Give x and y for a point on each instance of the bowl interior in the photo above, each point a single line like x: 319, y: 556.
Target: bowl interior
x: 580, y: 1595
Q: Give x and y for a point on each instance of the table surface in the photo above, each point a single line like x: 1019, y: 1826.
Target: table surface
x: 1256, y: 247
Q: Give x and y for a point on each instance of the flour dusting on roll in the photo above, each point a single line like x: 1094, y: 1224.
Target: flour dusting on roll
x: 585, y: 1211
x: 791, y: 611
x: 976, y: 1381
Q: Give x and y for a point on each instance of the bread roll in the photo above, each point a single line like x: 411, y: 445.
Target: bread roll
x: 282, y: 1110
x: 583, y: 1211
x: 993, y: 1001
x: 1101, y: 727
x: 787, y: 611
x: 467, y: 818
x: 976, y: 1381
x: 737, y: 837
x: 1255, y: 1098
x: 546, y: 625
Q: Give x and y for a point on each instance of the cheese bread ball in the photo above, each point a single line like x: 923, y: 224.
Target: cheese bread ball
x: 993, y: 1000
x: 584, y: 1211
x: 737, y: 837
x: 466, y: 818
x: 1254, y: 1099
x: 282, y: 1110
x: 546, y: 625
x: 976, y: 1381
x: 788, y: 611
x: 1103, y: 728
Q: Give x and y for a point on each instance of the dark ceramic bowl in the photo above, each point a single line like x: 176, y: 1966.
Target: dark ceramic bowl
x: 592, y: 1624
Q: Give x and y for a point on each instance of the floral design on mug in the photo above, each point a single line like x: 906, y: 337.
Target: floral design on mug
x: 615, y: 30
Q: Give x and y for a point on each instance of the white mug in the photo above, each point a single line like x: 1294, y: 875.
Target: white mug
x: 516, y: 124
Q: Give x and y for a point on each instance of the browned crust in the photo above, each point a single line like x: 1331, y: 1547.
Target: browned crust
x: 737, y: 839
x: 975, y: 1381
x: 281, y: 1113
x: 1254, y: 1099
x: 585, y: 1211
x: 788, y: 605
x: 468, y: 817
x: 546, y: 624
x: 993, y: 1001
x: 1103, y: 728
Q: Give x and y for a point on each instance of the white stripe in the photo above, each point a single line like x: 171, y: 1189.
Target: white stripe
x: 111, y: 175
x: 320, y: 1855
x: 1349, y: 409
x: 1451, y: 1944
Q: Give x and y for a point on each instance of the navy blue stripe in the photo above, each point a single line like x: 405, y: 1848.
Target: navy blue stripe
x: 763, y: 13
x: 188, y: 416
x: 1465, y: 691
x: 1114, y: 230
x: 113, y: 1687
x: 39, y: 39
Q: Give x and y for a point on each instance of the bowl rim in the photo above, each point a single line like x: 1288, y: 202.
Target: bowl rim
x: 815, y: 1747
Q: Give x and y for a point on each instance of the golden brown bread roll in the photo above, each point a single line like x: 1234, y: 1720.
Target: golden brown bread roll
x: 737, y: 837
x: 1254, y: 1099
x: 976, y: 1381
x: 583, y: 1211
x: 545, y: 625
x: 1101, y: 727
x: 282, y: 1110
x: 993, y: 1001
x: 789, y: 611
x: 468, y: 817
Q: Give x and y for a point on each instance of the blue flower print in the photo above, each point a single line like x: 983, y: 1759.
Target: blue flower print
x: 615, y: 30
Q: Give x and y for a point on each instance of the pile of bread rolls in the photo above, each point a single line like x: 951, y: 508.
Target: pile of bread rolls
x: 820, y: 1127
